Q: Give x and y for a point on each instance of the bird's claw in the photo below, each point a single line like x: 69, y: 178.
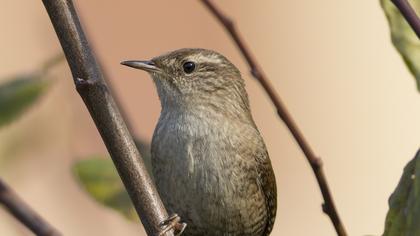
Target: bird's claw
x: 173, y: 222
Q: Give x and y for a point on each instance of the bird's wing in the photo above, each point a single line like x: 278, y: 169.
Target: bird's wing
x: 253, y: 148
x: 267, y: 182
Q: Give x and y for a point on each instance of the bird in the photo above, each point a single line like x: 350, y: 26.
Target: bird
x: 210, y: 163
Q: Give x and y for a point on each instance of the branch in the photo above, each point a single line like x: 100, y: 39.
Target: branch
x: 315, y: 162
x: 22, y: 212
x: 409, y: 14
x: 103, y: 110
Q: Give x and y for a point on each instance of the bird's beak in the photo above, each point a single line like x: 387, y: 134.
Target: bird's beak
x: 148, y: 66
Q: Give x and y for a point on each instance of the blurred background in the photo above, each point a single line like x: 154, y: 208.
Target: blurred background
x: 332, y: 63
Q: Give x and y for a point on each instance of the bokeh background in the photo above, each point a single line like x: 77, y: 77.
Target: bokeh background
x: 332, y: 62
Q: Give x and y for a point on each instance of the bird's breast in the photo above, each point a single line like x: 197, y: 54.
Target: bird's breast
x: 200, y: 174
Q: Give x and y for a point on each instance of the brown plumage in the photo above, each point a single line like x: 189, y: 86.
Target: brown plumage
x: 209, y: 161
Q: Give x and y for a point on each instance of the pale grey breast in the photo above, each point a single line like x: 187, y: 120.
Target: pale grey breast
x: 199, y: 179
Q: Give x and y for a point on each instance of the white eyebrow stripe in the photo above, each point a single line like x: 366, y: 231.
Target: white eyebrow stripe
x: 207, y: 58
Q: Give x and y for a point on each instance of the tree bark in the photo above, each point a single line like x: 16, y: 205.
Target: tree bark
x: 94, y: 91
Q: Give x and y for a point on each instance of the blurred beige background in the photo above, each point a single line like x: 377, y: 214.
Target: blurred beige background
x: 332, y: 63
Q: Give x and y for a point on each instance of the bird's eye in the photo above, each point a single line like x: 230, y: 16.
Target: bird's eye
x: 188, y: 67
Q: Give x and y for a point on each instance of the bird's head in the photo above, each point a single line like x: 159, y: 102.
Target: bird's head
x: 191, y: 76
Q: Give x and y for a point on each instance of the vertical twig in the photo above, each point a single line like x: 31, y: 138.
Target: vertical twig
x: 409, y: 14
x: 22, y: 212
x: 315, y: 162
x: 94, y: 92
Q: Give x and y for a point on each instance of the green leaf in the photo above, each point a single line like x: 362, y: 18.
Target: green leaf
x: 18, y: 94
x: 404, y: 204
x: 403, y: 37
x: 100, y: 179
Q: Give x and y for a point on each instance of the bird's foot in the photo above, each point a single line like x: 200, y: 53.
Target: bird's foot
x: 173, y: 222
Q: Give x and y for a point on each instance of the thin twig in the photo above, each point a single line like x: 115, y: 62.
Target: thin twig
x: 22, y: 212
x: 315, y: 162
x: 409, y: 14
x: 92, y: 88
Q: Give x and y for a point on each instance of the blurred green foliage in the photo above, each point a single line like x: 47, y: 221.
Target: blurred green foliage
x: 101, y: 181
x: 403, y: 37
x: 21, y: 91
x: 404, y: 204
x: 18, y: 94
